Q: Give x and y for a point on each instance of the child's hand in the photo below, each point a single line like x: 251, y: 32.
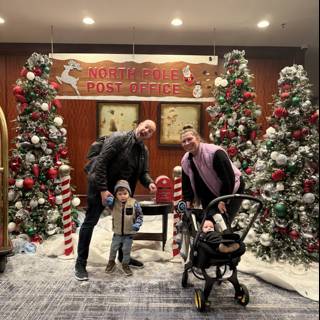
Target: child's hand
x: 108, y: 201
x: 135, y: 227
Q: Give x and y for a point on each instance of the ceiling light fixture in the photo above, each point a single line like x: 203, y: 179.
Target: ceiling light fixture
x: 176, y: 22
x: 263, y: 24
x: 2, y: 20
x: 88, y: 20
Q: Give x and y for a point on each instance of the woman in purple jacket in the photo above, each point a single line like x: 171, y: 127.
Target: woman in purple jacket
x: 208, y: 173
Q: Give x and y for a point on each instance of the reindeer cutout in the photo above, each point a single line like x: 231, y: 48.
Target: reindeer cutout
x: 66, y: 78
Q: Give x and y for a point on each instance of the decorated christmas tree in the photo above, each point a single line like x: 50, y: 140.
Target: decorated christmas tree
x: 286, y: 175
x: 234, y: 116
x: 35, y: 197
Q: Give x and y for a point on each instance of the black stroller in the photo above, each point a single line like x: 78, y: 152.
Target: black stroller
x: 190, y: 227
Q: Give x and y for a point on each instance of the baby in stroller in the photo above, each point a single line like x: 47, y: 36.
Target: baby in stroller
x: 215, y: 251
x: 216, y: 240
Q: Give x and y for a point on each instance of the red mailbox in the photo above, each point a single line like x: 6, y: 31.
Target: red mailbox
x: 164, y: 190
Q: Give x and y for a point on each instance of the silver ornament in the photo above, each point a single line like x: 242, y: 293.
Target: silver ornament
x: 265, y: 239
x: 308, y: 198
x: 281, y: 159
x: 268, y: 190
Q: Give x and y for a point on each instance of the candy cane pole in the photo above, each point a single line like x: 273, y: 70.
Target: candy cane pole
x: 177, y: 196
x: 64, y: 171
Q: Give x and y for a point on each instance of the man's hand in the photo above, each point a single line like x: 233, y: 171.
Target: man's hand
x: 152, y: 187
x: 222, y: 207
x: 105, y: 195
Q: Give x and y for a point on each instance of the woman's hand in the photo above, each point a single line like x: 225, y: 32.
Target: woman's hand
x: 222, y: 207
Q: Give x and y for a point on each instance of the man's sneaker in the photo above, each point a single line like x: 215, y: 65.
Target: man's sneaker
x: 126, y: 269
x: 81, y: 273
x: 135, y: 263
x: 110, y: 266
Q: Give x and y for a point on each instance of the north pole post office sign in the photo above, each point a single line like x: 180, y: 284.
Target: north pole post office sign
x: 134, y: 77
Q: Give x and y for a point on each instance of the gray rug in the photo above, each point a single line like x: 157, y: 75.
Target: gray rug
x: 34, y: 288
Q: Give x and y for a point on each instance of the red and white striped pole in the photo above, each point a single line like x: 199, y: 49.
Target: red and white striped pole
x: 64, y: 171
x: 177, y: 196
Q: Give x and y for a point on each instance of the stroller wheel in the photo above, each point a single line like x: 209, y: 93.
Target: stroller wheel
x: 199, y: 300
x: 184, y: 281
x: 243, y: 297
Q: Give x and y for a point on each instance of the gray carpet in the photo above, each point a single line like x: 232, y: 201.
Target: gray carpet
x: 34, y: 288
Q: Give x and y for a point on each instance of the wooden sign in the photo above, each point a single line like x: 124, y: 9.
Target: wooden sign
x: 141, y: 77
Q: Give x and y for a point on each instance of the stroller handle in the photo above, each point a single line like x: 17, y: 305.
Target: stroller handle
x: 241, y: 196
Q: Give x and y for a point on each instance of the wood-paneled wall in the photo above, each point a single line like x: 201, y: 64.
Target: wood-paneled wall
x: 80, y: 116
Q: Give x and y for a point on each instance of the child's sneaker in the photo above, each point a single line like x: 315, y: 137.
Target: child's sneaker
x: 126, y: 269
x: 110, y: 266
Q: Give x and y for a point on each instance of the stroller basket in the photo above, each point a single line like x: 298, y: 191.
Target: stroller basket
x: 195, y: 248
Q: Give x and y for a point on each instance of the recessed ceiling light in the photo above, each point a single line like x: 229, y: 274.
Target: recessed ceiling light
x: 2, y: 20
x: 176, y: 22
x: 88, y: 20
x: 263, y: 24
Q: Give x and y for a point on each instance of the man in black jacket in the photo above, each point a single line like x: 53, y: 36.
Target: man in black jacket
x: 123, y: 157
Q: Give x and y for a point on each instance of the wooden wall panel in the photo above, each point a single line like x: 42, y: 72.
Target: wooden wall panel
x: 3, y: 81
x: 80, y: 122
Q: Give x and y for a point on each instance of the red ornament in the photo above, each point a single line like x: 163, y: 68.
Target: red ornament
x: 286, y: 86
x: 14, y: 164
x: 35, y: 115
x: 238, y: 82
x: 311, y: 247
x: 23, y: 72
x: 278, y: 175
x: 247, y: 95
x: 20, y: 98
x: 43, y: 187
x: 314, y: 117
x: 63, y: 152
x: 37, y: 71
x: 36, y: 170
x: 232, y: 151
x: 297, y: 134
x: 248, y: 170
x: 52, y: 199
x: 55, y: 85
x: 52, y: 173
x: 231, y: 134
x: 280, y: 112
x: 253, y: 135
x: 247, y: 112
x: 308, y: 185
x: 51, y: 145
x: 294, y: 234
x: 11, y: 181
x: 284, y: 95
x: 18, y: 90
x: 57, y: 103
x: 36, y: 238
x: 28, y: 183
